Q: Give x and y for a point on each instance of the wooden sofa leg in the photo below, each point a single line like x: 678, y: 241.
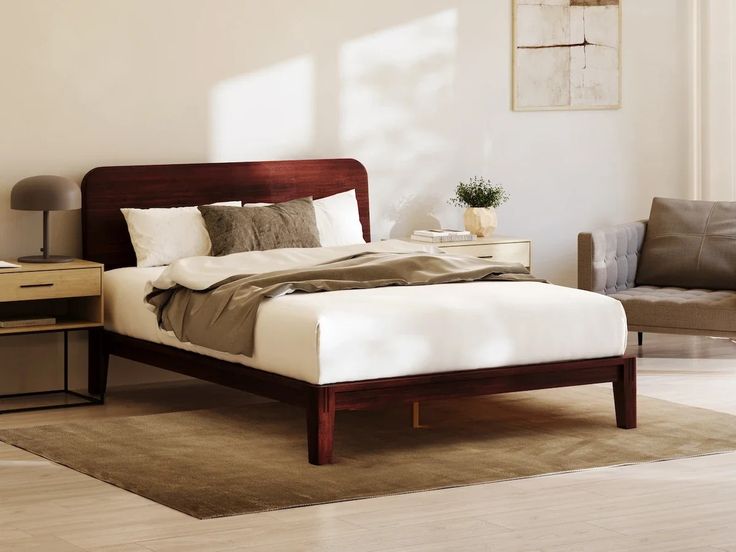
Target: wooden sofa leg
x: 624, y: 395
x: 98, y: 360
x: 640, y: 338
x: 321, y: 425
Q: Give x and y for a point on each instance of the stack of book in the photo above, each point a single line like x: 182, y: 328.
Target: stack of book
x: 29, y: 321
x: 442, y: 235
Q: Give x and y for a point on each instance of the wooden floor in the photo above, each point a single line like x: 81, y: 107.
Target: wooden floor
x: 679, y: 505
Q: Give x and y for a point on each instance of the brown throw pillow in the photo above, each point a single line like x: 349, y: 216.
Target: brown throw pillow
x: 690, y: 244
x: 238, y: 229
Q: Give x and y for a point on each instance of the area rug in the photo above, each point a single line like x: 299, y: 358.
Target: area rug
x: 221, y: 462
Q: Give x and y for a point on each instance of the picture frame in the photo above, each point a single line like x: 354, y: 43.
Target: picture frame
x: 528, y: 94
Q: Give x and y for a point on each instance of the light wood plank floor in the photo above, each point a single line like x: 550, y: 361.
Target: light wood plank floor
x: 680, y: 505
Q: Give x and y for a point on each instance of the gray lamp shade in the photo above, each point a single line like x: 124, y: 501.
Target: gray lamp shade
x: 46, y: 193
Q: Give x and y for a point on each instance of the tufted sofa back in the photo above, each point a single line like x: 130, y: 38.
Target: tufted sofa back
x: 608, y: 259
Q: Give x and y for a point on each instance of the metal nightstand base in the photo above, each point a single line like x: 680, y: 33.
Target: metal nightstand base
x: 84, y: 400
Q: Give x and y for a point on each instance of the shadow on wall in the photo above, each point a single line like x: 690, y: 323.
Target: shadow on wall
x: 382, y: 98
x: 409, y: 213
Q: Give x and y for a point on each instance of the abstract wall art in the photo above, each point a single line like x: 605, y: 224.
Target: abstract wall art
x: 566, y: 54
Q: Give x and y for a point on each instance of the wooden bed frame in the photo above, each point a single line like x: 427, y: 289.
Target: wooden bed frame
x: 105, y: 239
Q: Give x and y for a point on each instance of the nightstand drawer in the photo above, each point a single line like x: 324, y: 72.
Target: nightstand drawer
x: 514, y: 252
x: 50, y: 284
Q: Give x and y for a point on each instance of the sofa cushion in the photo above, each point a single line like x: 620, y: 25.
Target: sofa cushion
x: 679, y: 308
x: 690, y: 244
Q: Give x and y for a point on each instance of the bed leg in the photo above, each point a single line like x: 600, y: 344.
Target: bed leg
x: 624, y: 395
x: 321, y: 425
x: 98, y: 358
x: 640, y: 338
x: 415, y: 415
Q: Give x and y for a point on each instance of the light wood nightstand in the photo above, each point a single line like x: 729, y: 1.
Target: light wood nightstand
x: 69, y: 292
x: 505, y: 249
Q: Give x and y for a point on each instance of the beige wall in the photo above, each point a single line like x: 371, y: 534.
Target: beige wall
x: 715, y: 22
x: 419, y: 90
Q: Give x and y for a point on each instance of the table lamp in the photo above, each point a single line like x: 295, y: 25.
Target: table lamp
x: 45, y: 193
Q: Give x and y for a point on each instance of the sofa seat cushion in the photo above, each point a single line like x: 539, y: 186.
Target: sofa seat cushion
x: 672, y: 307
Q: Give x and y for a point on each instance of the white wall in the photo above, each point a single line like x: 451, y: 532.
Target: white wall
x: 717, y: 101
x: 418, y: 90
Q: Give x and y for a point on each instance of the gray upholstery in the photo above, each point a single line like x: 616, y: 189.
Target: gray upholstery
x: 679, y: 308
x: 608, y: 258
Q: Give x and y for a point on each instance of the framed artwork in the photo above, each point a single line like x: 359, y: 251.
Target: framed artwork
x: 566, y: 54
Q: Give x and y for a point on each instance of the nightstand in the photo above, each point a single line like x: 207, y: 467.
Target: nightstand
x: 499, y: 248
x: 69, y: 292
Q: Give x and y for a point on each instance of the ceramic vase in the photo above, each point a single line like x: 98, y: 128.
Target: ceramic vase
x: 480, y: 221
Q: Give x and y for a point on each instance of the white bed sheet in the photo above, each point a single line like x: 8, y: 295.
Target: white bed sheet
x: 399, y: 331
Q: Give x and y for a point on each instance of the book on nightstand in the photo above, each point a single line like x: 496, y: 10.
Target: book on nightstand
x: 442, y: 235
x: 22, y: 322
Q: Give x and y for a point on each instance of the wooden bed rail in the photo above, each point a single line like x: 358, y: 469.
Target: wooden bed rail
x: 321, y: 402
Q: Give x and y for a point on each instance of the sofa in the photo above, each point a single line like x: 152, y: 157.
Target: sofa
x: 676, y: 274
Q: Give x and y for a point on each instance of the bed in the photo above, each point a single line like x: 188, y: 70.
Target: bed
x: 344, y: 353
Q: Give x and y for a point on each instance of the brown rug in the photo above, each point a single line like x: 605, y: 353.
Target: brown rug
x: 210, y: 463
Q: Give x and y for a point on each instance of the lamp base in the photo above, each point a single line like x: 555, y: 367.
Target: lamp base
x: 42, y: 259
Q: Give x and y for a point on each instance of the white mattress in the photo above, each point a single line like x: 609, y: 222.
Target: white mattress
x: 398, y: 331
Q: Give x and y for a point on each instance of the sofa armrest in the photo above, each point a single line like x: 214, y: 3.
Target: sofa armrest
x: 608, y: 258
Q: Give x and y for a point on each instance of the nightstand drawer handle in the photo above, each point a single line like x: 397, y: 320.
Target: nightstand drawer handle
x: 35, y: 285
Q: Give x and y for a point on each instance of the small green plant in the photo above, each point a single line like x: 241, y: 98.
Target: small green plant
x: 479, y: 192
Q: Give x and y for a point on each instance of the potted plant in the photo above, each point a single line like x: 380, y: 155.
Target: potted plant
x: 480, y: 197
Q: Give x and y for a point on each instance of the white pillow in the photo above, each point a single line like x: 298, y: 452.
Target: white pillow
x: 162, y: 236
x: 338, y: 219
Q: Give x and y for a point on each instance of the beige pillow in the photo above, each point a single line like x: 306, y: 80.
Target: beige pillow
x: 238, y: 229
x: 689, y: 244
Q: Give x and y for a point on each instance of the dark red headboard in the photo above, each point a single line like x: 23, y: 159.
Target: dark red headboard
x: 105, y: 190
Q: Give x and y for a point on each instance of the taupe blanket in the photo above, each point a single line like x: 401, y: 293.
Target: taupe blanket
x: 223, y: 316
